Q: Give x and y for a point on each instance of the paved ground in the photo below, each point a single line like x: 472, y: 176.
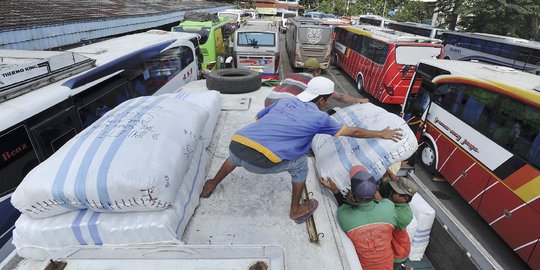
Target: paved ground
x: 501, y: 252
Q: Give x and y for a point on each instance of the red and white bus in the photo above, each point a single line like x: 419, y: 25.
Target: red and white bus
x: 380, y: 60
x: 478, y: 125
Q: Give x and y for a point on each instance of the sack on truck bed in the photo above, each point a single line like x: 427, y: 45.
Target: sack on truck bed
x: 211, y: 101
x: 47, y: 237
x: 131, y: 159
x: 336, y: 156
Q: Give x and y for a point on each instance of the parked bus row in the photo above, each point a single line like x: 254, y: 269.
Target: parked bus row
x: 494, y: 49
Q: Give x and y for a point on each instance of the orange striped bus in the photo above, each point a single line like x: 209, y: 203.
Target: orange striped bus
x: 381, y: 61
x: 478, y: 126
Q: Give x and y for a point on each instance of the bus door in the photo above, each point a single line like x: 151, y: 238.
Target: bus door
x: 417, y: 104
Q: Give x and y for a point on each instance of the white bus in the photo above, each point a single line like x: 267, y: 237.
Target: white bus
x: 415, y: 28
x: 374, y: 20
x: 48, y: 97
x: 511, y: 52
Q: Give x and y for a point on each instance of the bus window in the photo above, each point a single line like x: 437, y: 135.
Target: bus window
x: 18, y: 158
x: 55, y: 132
x: 95, y: 107
x: 464, y: 42
x: 376, y: 51
x: 359, y: 42
x: 450, y: 39
x: 492, y: 47
x: 515, y: 126
x: 472, y: 104
x: 256, y: 39
x: 508, y: 51
x: 186, y: 56
x: 477, y: 44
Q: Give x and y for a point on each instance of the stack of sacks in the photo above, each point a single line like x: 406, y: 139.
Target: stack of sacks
x: 132, y: 177
x: 336, y: 155
x: 424, y: 216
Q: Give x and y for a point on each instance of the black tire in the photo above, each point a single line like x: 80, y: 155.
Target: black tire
x: 428, y: 156
x: 233, y: 80
x: 360, y: 84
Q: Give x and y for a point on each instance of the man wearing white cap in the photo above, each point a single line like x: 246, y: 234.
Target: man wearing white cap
x: 282, y: 136
x: 296, y: 83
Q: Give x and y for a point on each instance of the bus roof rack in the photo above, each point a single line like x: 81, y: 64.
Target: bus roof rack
x: 24, y: 71
x: 500, y: 69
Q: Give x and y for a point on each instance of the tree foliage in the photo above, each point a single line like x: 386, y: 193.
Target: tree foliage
x: 518, y: 18
x: 515, y: 18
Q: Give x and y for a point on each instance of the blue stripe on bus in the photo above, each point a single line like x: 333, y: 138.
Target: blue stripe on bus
x: 363, y: 159
x: 124, y: 62
x: 373, y: 143
x: 92, y: 227
x: 190, y: 192
x: 80, y: 179
x: 103, y: 170
x: 76, y: 227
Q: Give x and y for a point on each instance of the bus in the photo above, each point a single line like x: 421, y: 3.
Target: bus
x: 48, y: 97
x: 215, y: 36
x: 479, y: 125
x: 415, y: 28
x: 308, y: 38
x: 256, y: 47
x: 381, y: 61
x: 511, y: 52
x: 373, y: 20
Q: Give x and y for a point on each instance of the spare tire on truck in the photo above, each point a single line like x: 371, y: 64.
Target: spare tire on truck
x: 233, y: 80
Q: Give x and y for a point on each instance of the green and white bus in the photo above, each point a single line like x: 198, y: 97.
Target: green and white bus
x: 214, y: 35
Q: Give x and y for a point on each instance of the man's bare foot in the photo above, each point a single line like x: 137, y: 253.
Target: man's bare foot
x: 304, y: 211
x: 208, y: 188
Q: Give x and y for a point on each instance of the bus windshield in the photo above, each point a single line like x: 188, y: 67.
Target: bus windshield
x: 409, y: 55
x: 314, y: 36
x: 203, y: 32
x: 256, y: 39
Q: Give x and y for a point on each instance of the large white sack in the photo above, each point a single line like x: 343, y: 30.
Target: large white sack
x: 49, y: 237
x: 211, y: 101
x: 425, y: 216
x: 336, y: 156
x: 131, y: 159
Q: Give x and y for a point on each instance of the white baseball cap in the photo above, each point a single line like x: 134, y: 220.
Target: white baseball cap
x: 317, y: 86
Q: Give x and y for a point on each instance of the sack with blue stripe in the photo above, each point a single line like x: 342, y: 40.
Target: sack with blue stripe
x: 52, y: 237
x: 336, y: 155
x: 131, y: 159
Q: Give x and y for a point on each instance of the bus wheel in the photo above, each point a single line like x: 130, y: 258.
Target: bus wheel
x: 428, y: 156
x: 233, y: 80
x: 360, y: 84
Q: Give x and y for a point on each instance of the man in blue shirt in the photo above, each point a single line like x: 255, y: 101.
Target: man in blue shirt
x: 282, y: 136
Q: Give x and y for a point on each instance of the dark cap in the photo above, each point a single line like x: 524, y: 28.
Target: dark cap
x: 363, y: 184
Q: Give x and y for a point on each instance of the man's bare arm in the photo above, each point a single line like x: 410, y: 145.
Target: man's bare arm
x: 387, y: 133
x: 346, y: 98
